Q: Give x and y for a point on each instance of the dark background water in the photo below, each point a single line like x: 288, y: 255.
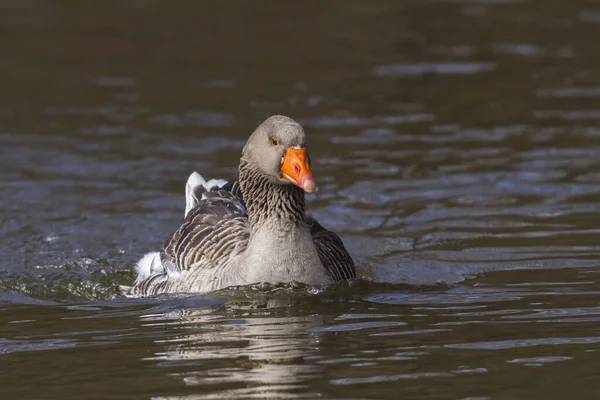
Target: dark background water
x: 456, y: 145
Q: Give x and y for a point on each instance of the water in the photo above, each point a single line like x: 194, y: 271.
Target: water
x: 456, y: 145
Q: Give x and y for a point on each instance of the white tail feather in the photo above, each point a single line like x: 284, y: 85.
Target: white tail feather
x: 148, y: 265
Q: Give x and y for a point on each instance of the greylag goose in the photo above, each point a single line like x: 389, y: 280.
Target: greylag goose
x: 251, y: 230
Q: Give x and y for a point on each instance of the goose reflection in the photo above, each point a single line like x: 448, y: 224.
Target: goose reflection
x: 249, y: 348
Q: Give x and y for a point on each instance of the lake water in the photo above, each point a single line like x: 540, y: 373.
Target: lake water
x: 456, y: 145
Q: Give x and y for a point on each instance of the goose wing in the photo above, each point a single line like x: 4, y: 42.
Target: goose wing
x: 212, y: 232
x: 215, y: 229
x: 332, y: 253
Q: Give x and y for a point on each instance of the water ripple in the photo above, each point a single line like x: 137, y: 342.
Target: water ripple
x: 447, y: 68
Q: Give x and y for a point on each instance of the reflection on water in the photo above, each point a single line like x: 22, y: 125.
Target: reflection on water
x: 268, y: 352
x: 270, y: 342
x: 456, y: 146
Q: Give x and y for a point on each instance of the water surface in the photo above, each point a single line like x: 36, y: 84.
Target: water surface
x: 456, y: 145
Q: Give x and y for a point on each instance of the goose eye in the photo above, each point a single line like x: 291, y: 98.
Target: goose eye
x: 274, y: 142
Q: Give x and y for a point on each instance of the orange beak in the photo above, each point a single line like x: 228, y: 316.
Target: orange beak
x: 296, y: 170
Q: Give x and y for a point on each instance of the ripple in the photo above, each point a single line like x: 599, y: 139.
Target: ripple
x: 355, y: 326
x: 569, y: 92
x: 18, y: 346
x: 194, y: 118
x: 113, y: 81
x: 578, y: 115
x: 539, y: 360
x: 392, y: 378
x: 589, y: 16
x: 344, y: 317
x: 326, y: 122
x: 418, y: 332
x: 531, y: 50
x: 447, y: 68
x: 518, y: 343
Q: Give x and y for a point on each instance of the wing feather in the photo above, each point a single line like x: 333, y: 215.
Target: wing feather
x: 214, y: 230
x: 332, y: 253
x: 210, y: 232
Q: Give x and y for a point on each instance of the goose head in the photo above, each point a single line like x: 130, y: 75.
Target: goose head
x: 277, y: 150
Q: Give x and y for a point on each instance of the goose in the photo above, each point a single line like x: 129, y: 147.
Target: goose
x: 251, y: 230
